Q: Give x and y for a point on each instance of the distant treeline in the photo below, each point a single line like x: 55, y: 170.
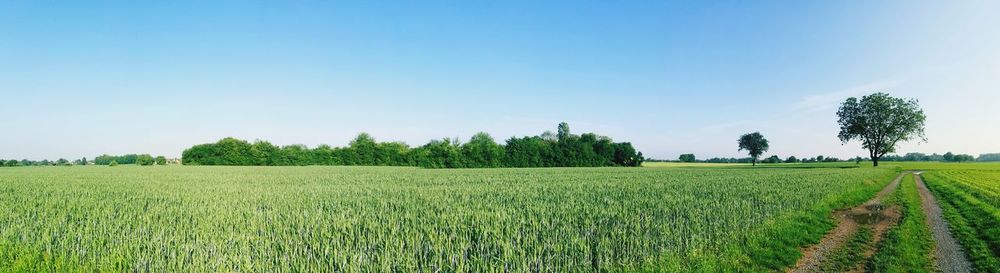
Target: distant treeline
x: 138, y: 159
x: 143, y: 159
x: 771, y: 159
x: 947, y: 157
x: 547, y: 150
x: 46, y: 162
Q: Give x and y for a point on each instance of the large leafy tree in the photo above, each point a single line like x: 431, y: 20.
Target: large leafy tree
x: 482, y: 152
x: 755, y: 144
x: 880, y: 122
x: 687, y: 158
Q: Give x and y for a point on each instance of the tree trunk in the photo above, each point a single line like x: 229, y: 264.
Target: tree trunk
x: 754, y: 162
x: 874, y: 162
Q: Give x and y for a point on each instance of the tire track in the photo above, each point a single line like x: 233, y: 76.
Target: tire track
x: 948, y: 254
x: 848, y: 222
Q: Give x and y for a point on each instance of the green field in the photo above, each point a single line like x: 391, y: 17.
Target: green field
x: 970, y: 198
x: 364, y: 219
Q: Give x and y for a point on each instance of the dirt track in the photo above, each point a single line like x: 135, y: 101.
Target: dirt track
x: 948, y: 254
x: 848, y: 222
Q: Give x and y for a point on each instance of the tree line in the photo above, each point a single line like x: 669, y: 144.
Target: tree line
x: 561, y: 149
x: 947, y: 157
x: 45, y: 162
x: 137, y: 159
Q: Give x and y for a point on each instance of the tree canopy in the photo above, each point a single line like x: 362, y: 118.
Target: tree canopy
x: 562, y: 149
x: 880, y: 122
x: 755, y: 144
x: 687, y: 158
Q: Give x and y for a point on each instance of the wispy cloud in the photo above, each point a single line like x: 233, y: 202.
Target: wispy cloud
x: 830, y: 100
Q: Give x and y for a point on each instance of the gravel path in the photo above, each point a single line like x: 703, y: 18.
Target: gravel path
x: 948, y: 254
x: 816, y: 255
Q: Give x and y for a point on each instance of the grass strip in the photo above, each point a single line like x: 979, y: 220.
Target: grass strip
x: 908, y: 246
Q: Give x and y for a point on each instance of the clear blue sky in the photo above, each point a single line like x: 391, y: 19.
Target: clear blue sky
x: 86, y: 78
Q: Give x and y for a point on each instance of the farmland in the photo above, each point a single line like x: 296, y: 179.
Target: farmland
x: 363, y: 219
x: 970, y: 198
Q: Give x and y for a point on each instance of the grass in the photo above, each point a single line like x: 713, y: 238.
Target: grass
x: 846, y: 257
x: 908, y: 246
x: 691, y: 164
x: 970, y: 200
x: 364, y: 219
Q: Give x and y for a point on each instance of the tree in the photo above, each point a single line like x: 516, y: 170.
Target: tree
x: 113, y: 163
x: 963, y: 158
x: 772, y: 159
x: 948, y: 156
x: 563, y: 131
x: 792, y: 159
x: 161, y: 160
x: 880, y: 122
x: 144, y: 160
x: 755, y: 144
x: 686, y: 158
x: 482, y: 152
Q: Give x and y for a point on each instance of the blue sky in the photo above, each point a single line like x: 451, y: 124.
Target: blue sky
x: 87, y: 78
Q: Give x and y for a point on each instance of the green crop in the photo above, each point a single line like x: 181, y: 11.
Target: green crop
x: 376, y: 219
x: 970, y: 200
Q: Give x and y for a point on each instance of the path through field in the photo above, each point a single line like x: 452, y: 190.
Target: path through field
x: 873, y: 213
x: 948, y: 254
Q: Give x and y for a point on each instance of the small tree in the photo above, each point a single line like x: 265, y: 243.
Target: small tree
x: 161, y: 160
x: 755, y: 144
x: 687, y: 158
x: 792, y: 159
x: 144, y: 160
x: 880, y: 121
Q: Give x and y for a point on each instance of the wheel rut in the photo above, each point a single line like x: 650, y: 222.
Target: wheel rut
x: 872, y: 214
x: 948, y: 254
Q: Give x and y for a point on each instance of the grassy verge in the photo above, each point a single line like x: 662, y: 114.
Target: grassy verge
x: 779, y: 243
x: 847, y: 257
x: 908, y: 246
x: 974, y: 223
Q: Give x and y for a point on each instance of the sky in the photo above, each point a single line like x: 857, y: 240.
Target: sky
x: 92, y: 77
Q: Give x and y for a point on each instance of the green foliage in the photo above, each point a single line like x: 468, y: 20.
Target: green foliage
x: 145, y: 160
x: 482, y: 151
x: 161, y: 160
x: 847, y: 256
x: 138, y: 159
x: 880, y: 121
x: 754, y: 143
x: 113, y: 163
x: 772, y: 159
x: 687, y: 158
x: 989, y: 157
x: 792, y: 159
x: 366, y: 219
